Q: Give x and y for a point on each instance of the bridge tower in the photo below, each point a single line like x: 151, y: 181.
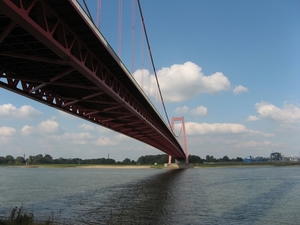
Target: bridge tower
x: 174, y: 119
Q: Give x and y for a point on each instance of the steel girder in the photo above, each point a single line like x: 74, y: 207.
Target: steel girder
x: 52, y: 53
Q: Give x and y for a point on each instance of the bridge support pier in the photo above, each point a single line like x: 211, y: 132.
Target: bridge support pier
x: 179, y: 164
x: 182, y: 163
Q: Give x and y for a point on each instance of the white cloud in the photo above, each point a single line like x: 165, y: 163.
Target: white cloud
x: 7, y: 131
x: 205, y: 128
x: 247, y: 144
x: 27, y: 130
x: 85, y: 138
x: 104, y: 141
x: 269, y: 135
x: 24, y: 112
x: 239, y: 89
x: 198, y: 111
x: 181, y: 82
x: 255, y: 144
x: 267, y: 143
x: 121, y: 137
x: 252, y: 118
x: 74, y: 138
x: 288, y: 114
x: 6, y: 134
x: 65, y: 114
x: 86, y: 127
x: 182, y: 110
x: 43, y: 128
x: 49, y: 127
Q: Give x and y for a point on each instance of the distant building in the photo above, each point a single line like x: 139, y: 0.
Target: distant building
x: 260, y: 159
x: 249, y: 159
x: 275, y: 156
x: 256, y: 159
x: 293, y: 159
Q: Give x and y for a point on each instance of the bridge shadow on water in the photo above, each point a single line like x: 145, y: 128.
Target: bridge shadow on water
x: 145, y: 201
x: 248, y: 199
x: 142, y: 201
x: 260, y: 208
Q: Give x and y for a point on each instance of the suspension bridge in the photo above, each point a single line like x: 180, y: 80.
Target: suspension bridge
x: 52, y: 52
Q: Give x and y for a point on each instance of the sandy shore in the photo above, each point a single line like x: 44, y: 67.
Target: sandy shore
x: 113, y: 167
x: 87, y: 166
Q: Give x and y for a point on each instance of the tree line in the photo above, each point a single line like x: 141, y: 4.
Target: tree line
x: 143, y: 160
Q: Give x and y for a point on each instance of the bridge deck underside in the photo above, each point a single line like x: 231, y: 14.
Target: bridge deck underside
x: 50, y: 53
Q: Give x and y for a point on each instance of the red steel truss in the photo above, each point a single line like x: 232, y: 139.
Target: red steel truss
x: 51, y: 52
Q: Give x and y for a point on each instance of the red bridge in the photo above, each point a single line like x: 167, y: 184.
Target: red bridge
x: 51, y: 52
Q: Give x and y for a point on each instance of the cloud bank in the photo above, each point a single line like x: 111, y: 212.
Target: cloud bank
x: 239, y: 89
x: 181, y: 82
x: 24, y: 112
x: 198, y: 111
x: 193, y: 128
x: 289, y: 113
x: 7, y: 131
x: 44, y: 128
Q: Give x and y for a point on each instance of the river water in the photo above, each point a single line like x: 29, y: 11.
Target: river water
x: 237, y: 195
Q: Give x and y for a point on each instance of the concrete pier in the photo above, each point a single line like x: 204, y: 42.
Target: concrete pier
x: 179, y: 164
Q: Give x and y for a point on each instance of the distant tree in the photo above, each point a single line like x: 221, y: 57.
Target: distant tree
x: 47, y: 159
x: 77, y: 160
x: 20, y: 160
x: 225, y: 159
x: 38, y: 159
x: 195, y: 159
x: 141, y: 160
x: 29, y: 160
x: 126, y: 161
x: 34, y: 160
x: 151, y: 159
x: 210, y: 159
x: 207, y: 158
x: 110, y: 161
x: 2, y: 160
x: 161, y: 159
x: 10, y: 159
x: 239, y: 159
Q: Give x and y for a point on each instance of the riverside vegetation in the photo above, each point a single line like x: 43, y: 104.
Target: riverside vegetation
x: 143, y: 160
x: 18, y: 216
x: 153, y: 161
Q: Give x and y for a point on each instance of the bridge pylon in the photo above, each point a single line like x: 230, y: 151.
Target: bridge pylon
x: 184, y: 163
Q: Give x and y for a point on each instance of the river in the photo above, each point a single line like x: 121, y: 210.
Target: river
x: 233, y: 195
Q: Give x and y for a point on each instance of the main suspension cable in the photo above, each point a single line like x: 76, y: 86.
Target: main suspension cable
x: 152, y: 61
x: 88, y: 11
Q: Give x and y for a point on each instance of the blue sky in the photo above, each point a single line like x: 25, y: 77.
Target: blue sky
x: 231, y: 68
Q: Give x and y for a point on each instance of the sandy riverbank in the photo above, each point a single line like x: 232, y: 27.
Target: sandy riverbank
x: 114, y: 167
x: 88, y: 166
